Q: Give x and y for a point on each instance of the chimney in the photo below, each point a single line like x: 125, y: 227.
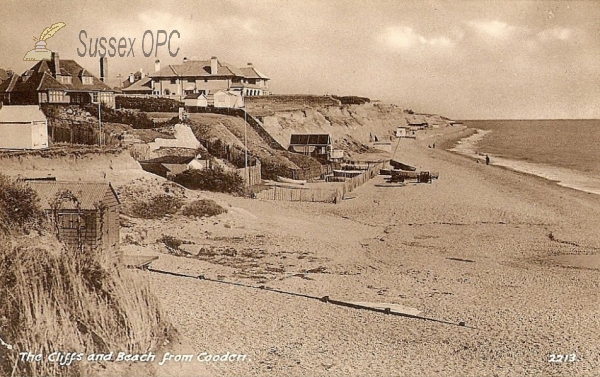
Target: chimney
x: 157, y: 65
x: 56, y: 64
x: 142, y: 74
x: 131, y: 78
x: 250, y: 65
x: 214, y: 65
x: 185, y: 59
x: 103, y: 69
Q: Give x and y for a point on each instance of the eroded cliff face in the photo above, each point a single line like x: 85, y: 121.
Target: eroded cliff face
x: 348, y: 125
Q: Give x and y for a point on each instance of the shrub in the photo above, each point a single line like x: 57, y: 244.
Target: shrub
x: 203, y: 207
x: 157, y: 207
x: 352, y: 100
x: 148, y: 104
x: 215, y: 179
x: 19, y: 205
x: 171, y: 242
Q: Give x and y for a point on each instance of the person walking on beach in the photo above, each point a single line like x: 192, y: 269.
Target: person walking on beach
x: 487, y: 159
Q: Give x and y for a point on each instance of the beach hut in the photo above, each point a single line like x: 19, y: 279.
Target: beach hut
x: 86, y: 213
x: 23, y: 127
x: 195, y: 99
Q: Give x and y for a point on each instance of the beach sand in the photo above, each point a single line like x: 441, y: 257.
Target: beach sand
x: 478, y: 246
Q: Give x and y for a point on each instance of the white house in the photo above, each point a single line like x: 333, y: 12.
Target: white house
x: 23, y: 127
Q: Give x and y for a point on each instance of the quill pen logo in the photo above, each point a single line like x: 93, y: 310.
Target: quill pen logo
x: 40, y: 52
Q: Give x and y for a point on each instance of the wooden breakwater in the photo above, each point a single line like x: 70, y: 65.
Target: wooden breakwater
x: 323, y: 195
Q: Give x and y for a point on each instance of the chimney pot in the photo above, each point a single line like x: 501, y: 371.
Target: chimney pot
x: 214, y: 65
x: 56, y: 64
x: 157, y: 65
x: 103, y: 69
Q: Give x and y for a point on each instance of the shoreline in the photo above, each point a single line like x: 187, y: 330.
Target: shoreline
x: 476, y: 245
x: 467, y: 146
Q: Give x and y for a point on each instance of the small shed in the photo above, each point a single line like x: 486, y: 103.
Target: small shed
x: 195, y: 99
x: 23, y: 127
x: 311, y: 144
x: 170, y: 166
x: 86, y: 213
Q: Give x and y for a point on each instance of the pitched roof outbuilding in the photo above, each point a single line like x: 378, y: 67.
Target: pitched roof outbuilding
x: 87, y: 193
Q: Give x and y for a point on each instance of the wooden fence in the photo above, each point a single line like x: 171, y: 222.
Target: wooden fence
x: 360, y: 179
x: 297, y: 194
x: 81, y: 135
x: 252, y: 175
x: 305, y: 194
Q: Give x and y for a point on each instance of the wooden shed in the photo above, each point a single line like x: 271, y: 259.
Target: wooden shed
x: 311, y: 144
x: 195, y: 99
x: 23, y: 127
x: 86, y: 214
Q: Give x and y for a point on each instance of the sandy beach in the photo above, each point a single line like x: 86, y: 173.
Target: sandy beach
x: 482, y: 245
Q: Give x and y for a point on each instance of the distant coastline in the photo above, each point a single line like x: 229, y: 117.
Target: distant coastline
x: 471, y: 146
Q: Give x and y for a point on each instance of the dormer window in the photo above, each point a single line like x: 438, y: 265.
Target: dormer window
x: 65, y: 79
x: 87, y: 80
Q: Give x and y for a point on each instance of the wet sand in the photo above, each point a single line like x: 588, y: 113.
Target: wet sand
x: 475, y: 246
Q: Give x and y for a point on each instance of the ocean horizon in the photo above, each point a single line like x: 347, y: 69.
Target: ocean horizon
x: 565, y: 151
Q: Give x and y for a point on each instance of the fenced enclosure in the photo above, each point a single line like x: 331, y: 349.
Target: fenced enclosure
x: 306, y: 194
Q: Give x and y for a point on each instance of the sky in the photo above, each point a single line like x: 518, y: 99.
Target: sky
x: 462, y: 59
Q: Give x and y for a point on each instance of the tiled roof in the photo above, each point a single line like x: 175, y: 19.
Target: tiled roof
x: 310, y: 139
x: 25, y: 113
x: 194, y: 96
x: 201, y: 68
x: 251, y: 73
x: 87, y: 193
x: 140, y: 85
x: 40, y: 77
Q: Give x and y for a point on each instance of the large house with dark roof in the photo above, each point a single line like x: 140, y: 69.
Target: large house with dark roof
x: 207, y: 77
x: 57, y: 81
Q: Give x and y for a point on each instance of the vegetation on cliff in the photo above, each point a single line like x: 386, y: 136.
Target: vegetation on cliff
x: 56, y: 299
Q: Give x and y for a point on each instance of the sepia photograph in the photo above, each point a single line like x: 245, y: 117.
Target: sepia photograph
x: 251, y: 188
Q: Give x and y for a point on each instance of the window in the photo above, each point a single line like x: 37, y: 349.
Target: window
x: 173, y: 81
x: 70, y: 221
x: 65, y: 79
x: 57, y: 96
x: 191, y: 80
x: 87, y: 80
x: 95, y: 97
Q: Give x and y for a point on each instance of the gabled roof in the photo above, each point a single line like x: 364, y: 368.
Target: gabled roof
x: 21, y: 114
x: 8, y: 85
x: 88, y: 193
x: 144, y: 84
x: 40, y: 77
x: 194, y: 96
x: 169, y: 160
x: 310, y: 139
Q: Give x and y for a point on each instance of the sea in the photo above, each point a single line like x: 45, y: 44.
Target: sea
x: 564, y: 151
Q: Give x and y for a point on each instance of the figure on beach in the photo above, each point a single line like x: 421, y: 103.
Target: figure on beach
x: 487, y: 159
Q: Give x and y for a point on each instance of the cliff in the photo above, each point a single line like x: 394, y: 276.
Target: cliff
x: 351, y: 126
